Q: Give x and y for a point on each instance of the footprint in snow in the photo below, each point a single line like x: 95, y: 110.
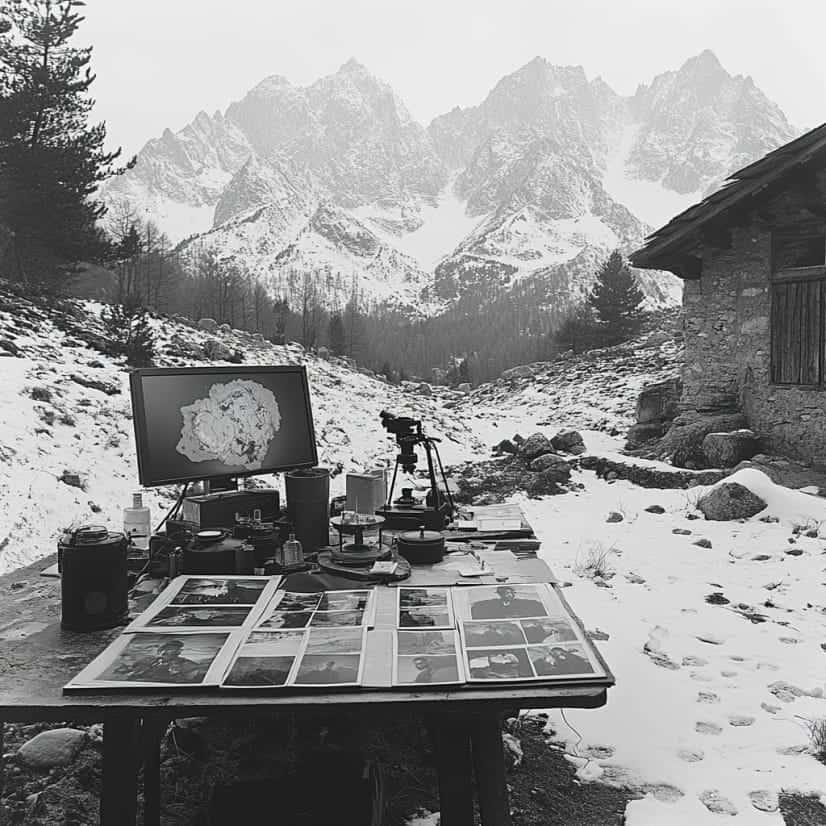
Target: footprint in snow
x: 696, y: 661
x: 740, y: 720
x: 705, y: 727
x: 599, y: 752
x: 715, y: 802
x: 764, y: 800
x: 707, y: 697
x: 691, y: 755
x: 663, y: 792
x: 711, y: 639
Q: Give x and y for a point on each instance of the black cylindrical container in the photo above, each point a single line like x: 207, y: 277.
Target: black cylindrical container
x: 211, y: 552
x: 265, y: 540
x: 421, y: 547
x: 308, y: 506
x: 94, y: 582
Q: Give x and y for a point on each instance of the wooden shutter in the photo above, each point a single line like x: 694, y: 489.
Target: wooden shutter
x: 797, y: 332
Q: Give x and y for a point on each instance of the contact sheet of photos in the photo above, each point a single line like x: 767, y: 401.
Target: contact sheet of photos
x: 521, y: 632
x: 320, y: 657
x: 225, y: 602
x: 319, y: 609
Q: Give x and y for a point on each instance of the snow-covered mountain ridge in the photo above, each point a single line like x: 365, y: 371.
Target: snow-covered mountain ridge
x: 541, y: 179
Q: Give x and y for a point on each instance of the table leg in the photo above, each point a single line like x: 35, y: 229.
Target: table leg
x: 451, y: 745
x: 152, y: 732
x: 119, y: 795
x: 489, y: 762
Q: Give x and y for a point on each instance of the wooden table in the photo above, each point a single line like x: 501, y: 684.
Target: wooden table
x: 37, y: 658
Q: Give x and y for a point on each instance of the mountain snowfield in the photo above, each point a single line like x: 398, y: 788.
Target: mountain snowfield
x: 540, y: 180
x: 709, y: 712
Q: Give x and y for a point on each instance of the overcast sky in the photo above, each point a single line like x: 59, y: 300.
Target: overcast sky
x: 159, y: 62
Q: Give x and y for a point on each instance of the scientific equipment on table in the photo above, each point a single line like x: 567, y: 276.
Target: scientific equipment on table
x: 137, y: 525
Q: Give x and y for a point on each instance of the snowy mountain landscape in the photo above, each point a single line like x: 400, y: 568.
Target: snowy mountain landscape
x: 712, y: 629
x: 538, y: 182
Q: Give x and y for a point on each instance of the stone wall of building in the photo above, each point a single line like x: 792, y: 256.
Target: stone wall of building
x: 728, y: 340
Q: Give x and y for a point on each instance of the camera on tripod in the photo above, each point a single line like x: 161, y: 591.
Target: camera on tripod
x: 404, y: 512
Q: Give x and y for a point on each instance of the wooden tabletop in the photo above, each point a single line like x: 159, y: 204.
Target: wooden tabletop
x: 37, y: 658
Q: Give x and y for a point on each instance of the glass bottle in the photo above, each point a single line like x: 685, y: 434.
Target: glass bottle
x: 292, y: 552
x: 136, y: 523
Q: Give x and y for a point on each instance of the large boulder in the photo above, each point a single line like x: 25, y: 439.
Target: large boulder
x: 208, y: 324
x: 534, y: 446
x: 683, y: 442
x: 730, y: 500
x: 53, y: 748
x: 658, y: 402
x: 727, y: 449
x: 569, y: 441
x: 423, y: 389
x: 640, y: 434
x: 553, y: 466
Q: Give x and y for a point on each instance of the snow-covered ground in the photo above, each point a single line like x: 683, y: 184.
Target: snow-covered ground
x: 712, y: 697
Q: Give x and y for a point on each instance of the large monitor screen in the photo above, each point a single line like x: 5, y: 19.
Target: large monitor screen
x: 209, y: 422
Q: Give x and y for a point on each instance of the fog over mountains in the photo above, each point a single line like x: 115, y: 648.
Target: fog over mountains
x: 539, y: 181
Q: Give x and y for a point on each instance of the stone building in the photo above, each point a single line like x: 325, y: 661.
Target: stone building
x: 753, y: 260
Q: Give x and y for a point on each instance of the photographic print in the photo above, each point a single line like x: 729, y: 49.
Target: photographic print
x: 426, y: 642
x: 285, y: 619
x: 214, y: 616
x: 329, y: 669
x: 335, y: 640
x: 225, y: 601
x: 480, y: 634
x: 259, y: 671
x: 289, y: 601
x: 499, y: 664
x: 148, y: 659
x: 556, y: 629
x: 433, y: 597
x: 220, y: 591
x: 344, y: 600
x: 337, y: 618
x: 424, y: 608
x: 427, y: 669
x: 569, y: 660
x: 505, y: 602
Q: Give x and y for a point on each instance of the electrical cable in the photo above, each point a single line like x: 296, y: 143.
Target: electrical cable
x: 576, y: 753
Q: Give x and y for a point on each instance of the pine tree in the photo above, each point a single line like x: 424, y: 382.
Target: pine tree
x: 335, y: 334
x: 51, y: 158
x: 129, y: 332
x: 616, y: 299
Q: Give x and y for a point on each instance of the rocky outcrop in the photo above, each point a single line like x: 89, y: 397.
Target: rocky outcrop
x: 727, y: 449
x: 730, y: 500
x: 657, y: 406
x: 649, y: 477
x: 683, y: 443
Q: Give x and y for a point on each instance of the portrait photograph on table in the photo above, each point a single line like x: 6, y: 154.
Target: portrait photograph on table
x: 159, y: 660
x: 506, y: 601
x: 331, y: 659
x: 219, y: 602
x: 425, y: 608
x: 431, y: 657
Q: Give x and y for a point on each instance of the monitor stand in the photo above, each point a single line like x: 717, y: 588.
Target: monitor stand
x: 220, y: 484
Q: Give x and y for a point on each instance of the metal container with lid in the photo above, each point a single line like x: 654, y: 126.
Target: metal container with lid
x: 421, y: 547
x: 94, y: 581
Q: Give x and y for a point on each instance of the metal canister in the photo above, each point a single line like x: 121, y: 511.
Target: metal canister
x: 264, y: 541
x: 94, y: 583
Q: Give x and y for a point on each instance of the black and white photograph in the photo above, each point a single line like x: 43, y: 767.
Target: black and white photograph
x: 196, y: 616
x: 569, y: 660
x: 426, y: 657
x: 265, y: 658
x: 344, y: 601
x: 328, y: 669
x: 432, y: 669
x: 285, y: 619
x: 158, y: 659
x: 481, y: 634
x: 527, y: 298
x: 425, y: 608
x: 499, y: 664
x: 221, y: 591
x: 227, y: 601
x: 552, y: 629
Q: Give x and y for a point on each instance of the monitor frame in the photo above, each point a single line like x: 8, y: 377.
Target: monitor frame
x: 142, y: 439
